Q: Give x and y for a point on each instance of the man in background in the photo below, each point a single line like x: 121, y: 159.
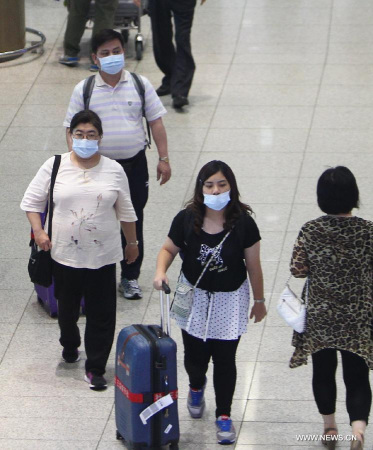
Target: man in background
x: 177, y: 64
x: 117, y: 102
x: 76, y: 21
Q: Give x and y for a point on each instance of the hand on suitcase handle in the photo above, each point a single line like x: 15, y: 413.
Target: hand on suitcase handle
x: 165, y: 324
x: 158, y: 281
x: 166, y: 288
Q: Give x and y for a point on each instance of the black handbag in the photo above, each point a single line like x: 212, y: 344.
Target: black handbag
x: 40, y: 262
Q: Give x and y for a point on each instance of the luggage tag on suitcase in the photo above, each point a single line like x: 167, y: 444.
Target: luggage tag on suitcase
x: 155, y: 407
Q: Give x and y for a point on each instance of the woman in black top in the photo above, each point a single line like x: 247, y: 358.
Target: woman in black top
x: 219, y: 314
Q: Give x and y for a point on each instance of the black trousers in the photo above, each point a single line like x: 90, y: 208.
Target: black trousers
x: 136, y: 169
x: 355, y: 376
x: 177, y: 64
x: 98, y: 286
x: 197, y: 355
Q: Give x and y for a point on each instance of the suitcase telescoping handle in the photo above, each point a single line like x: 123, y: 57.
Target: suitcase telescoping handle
x: 166, y: 289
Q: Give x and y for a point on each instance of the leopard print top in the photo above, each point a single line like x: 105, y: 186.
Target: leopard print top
x: 336, y: 253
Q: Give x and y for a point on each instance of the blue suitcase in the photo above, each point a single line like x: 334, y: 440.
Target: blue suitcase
x: 146, y: 372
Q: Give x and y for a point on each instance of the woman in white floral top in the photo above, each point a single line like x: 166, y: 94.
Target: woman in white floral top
x: 91, y: 197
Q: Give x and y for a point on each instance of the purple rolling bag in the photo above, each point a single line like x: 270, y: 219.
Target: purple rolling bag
x: 47, y: 299
x: 46, y: 294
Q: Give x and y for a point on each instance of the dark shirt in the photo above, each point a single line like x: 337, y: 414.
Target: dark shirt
x: 227, y: 270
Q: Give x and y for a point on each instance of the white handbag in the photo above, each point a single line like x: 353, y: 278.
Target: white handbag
x: 184, y: 292
x: 183, y: 299
x: 292, y: 309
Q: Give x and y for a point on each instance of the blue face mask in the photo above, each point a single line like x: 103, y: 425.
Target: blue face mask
x: 217, y: 202
x: 85, y: 148
x: 112, y: 64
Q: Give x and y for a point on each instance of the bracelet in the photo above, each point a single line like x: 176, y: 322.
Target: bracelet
x: 261, y: 300
x: 164, y: 159
x: 133, y: 243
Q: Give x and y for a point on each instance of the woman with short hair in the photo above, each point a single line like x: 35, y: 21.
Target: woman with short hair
x: 215, y: 231
x: 335, y: 252
x: 90, y: 198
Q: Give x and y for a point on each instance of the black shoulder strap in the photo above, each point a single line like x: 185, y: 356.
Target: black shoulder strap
x: 89, y: 84
x: 140, y: 88
x: 56, y: 166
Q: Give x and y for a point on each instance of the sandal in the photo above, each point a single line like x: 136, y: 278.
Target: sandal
x: 358, y: 445
x: 330, y: 444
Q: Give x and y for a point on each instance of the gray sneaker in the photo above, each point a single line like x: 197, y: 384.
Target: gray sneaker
x: 225, y: 431
x: 196, y: 402
x: 130, y: 289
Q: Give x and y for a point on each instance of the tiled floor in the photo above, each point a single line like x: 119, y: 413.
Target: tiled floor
x: 283, y: 89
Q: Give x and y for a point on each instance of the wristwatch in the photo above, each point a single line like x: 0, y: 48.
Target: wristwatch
x: 133, y: 243
x: 164, y: 159
x: 261, y: 300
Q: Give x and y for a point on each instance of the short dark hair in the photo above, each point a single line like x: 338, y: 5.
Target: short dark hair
x: 234, y: 208
x: 104, y: 36
x: 86, y: 116
x: 337, y: 191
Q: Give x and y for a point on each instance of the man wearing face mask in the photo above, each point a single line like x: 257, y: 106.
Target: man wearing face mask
x: 115, y: 99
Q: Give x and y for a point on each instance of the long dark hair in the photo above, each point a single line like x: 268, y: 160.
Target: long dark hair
x: 234, y: 208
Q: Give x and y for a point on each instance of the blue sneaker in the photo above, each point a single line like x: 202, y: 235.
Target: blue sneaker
x: 225, y: 431
x: 71, y: 61
x: 196, y: 402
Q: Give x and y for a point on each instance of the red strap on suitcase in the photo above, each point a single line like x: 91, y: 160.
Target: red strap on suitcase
x: 142, y: 398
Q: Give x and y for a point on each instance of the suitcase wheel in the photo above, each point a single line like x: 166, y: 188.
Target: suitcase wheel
x: 174, y: 446
x: 40, y: 300
x: 119, y: 436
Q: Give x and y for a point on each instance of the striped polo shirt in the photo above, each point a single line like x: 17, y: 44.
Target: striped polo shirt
x: 120, y: 111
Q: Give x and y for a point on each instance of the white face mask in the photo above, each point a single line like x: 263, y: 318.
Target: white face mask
x: 217, y: 202
x: 112, y: 64
x: 85, y: 148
